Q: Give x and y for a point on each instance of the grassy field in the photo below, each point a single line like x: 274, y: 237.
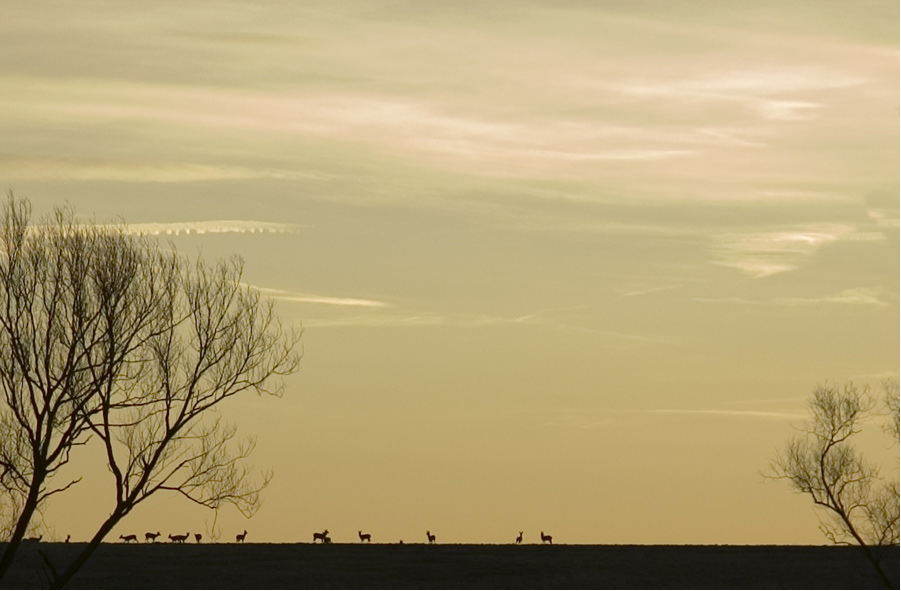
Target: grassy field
x: 274, y: 566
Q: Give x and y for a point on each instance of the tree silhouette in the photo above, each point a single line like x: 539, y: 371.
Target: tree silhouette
x: 106, y: 334
x: 861, y: 507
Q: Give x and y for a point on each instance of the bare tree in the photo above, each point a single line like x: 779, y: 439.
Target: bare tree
x: 75, y: 303
x: 159, y: 423
x: 860, y: 507
x: 104, y: 334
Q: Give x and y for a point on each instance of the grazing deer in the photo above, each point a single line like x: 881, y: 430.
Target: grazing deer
x: 326, y: 540
x: 548, y: 539
x: 430, y: 536
x: 151, y: 537
x: 321, y: 537
x: 518, y: 539
x: 129, y: 538
x: 179, y: 538
x: 364, y: 537
x: 198, y: 537
x: 240, y: 537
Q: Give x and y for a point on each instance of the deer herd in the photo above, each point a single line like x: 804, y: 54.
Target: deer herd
x: 320, y: 537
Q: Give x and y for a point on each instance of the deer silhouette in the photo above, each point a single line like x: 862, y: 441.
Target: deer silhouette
x: 240, y: 537
x: 430, y: 536
x: 179, y: 538
x: 364, y: 537
x: 320, y: 536
x: 68, y: 537
x: 151, y: 537
x: 198, y: 537
x: 548, y: 539
x: 518, y: 539
x: 326, y: 540
x: 129, y: 538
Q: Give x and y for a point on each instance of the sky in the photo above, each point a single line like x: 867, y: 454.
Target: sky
x: 563, y: 266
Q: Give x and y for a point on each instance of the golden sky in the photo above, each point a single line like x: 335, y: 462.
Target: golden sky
x: 562, y: 266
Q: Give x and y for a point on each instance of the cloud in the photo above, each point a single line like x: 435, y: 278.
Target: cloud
x: 762, y: 254
x: 860, y: 296
x: 307, y: 298
x: 211, y: 227
x: 55, y: 169
x: 590, y: 418
x: 753, y: 414
x: 402, y: 318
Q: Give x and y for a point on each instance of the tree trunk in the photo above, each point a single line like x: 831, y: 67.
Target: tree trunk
x: 60, y: 581
x: 31, y: 505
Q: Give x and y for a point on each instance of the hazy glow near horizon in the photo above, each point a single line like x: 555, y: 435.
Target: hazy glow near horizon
x: 562, y: 266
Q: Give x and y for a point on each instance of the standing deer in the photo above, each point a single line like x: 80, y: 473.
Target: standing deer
x: 430, y: 536
x: 548, y: 539
x: 129, y: 538
x: 364, y: 537
x: 198, y: 537
x: 320, y: 536
x: 151, y: 537
x: 240, y: 537
x: 518, y: 539
x: 68, y: 537
x: 179, y: 538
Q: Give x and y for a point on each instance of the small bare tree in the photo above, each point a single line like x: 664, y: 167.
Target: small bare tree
x: 861, y: 508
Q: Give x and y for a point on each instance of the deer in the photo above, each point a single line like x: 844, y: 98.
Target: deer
x: 129, y: 538
x: 179, y: 538
x: 518, y: 539
x: 548, y: 539
x: 326, y: 540
x: 198, y: 537
x: 68, y: 537
x: 321, y: 537
x: 240, y: 537
x: 151, y: 537
x: 364, y: 537
x: 430, y: 536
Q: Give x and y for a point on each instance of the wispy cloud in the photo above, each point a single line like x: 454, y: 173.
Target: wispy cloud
x: 590, y: 418
x: 211, y: 227
x: 860, y: 296
x: 753, y: 414
x: 146, y: 171
x: 766, y: 253
x: 56, y: 169
x: 308, y: 298
x: 406, y: 318
x: 629, y: 293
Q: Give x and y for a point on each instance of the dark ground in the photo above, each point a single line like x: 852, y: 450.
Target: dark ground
x: 281, y: 566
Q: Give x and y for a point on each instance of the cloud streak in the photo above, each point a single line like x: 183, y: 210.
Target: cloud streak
x: 860, y: 296
x: 752, y: 414
x: 761, y: 254
x: 209, y: 227
x: 307, y: 298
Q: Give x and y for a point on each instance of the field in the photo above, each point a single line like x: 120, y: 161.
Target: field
x: 274, y: 566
